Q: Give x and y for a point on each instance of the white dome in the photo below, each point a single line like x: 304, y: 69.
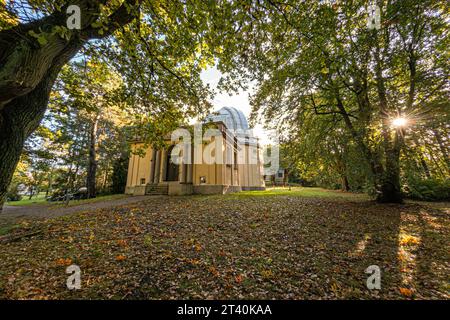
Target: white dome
x: 233, y: 118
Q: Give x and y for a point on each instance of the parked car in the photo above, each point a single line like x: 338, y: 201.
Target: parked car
x: 59, y: 195
x: 80, y: 194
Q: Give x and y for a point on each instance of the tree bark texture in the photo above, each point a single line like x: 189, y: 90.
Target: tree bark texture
x: 92, y: 164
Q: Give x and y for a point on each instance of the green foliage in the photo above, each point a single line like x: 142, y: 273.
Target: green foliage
x: 299, y: 192
x: 140, y: 58
x: 119, y: 175
x: 428, y: 189
x: 333, y: 85
x: 37, y: 199
x: 321, y: 76
x: 55, y: 158
x: 13, y: 194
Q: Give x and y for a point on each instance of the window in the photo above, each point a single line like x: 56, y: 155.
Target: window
x: 142, y: 181
x: 202, y: 180
x: 280, y: 174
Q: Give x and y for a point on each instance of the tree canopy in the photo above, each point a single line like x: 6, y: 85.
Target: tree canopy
x: 337, y: 85
x: 332, y: 84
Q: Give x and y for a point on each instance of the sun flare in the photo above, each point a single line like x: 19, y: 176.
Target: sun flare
x: 399, y: 122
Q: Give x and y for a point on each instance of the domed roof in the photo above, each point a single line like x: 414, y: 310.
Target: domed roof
x: 233, y: 118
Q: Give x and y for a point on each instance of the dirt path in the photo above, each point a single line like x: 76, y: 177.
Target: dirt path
x: 49, y: 211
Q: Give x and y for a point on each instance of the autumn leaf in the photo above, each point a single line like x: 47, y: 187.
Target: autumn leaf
x: 214, y: 271
x: 238, y: 278
x: 122, y: 243
x: 120, y: 257
x: 64, y: 262
x: 194, y: 262
x: 407, y: 240
x: 267, y: 274
x: 406, y: 292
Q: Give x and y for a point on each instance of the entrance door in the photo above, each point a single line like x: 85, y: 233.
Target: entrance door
x: 172, y: 168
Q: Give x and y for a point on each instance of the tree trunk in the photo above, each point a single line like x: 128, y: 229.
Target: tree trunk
x: 390, y: 187
x: 421, y: 157
x: 389, y: 190
x: 285, y: 177
x: 345, y: 185
x: 375, y: 166
x: 21, y: 116
x: 105, y: 177
x: 18, y: 119
x: 50, y: 182
x: 425, y: 167
x: 92, y: 164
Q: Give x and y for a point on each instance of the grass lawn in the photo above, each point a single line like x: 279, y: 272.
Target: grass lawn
x: 92, y: 200
x: 302, y: 192
x: 306, y: 243
x: 35, y: 200
x: 40, y: 200
x: 7, y: 228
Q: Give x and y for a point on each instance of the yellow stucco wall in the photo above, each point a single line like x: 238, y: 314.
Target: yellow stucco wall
x: 246, y: 175
x: 138, y: 166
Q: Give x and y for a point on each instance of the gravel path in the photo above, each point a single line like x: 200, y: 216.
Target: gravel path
x: 48, y: 211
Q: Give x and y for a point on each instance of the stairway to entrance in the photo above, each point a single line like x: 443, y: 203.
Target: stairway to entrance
x: 156, y: 189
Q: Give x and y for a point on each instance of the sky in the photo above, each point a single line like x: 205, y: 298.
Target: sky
x: 223, y: 99
x: 239, y: 101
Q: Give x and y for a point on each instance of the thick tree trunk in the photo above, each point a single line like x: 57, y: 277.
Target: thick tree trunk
x: 21, y: 116
x: 18, y: 119
x: 389, y: 189
x: 345, y: 185
x: 390, y: 186
x: 92, y: 165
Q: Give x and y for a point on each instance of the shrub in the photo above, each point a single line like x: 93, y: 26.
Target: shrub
x: 119, y: 176
x: 13, y: 195
x: 428, y: 189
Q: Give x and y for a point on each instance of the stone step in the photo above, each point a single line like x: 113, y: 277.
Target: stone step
x: 156, y: 189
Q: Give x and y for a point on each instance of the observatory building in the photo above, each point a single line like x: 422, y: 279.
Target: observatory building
x: 218, y: 156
